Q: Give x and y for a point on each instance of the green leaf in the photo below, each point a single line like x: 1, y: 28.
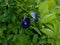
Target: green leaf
x: 49, y: 26
x: 4, y: 17
x: 58, y: 35
x: 43, y: 8
x: 29, y: 32
x: 2, y: 28
x: 48, y: 18
x: 23, y: 40
x: 4, y: 42
x: 58, y: 2
x: 0, y: 32
x: 42, y: 40
x: 36, y: 29
x: 48, y: 32
x: 55, y: 26
x: 10, y: 26
x: 51, y: 4
x: 38, y: 2
x: 35, y: 38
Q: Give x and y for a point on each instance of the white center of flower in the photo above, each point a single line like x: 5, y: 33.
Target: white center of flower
x: 25, y: 23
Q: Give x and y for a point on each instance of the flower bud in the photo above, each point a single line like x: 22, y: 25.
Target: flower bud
x: 34, y: 15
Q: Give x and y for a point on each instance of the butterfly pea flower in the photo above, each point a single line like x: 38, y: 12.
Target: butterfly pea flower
x: 26, y: 23
x: 34, y: 15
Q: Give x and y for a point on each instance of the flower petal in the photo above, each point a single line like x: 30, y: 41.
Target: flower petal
x: 26, y: 23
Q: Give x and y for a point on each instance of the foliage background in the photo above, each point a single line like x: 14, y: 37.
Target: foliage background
x: 47, y: 28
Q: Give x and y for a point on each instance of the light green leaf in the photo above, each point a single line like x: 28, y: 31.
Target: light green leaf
x: 51, y: 4
x: 50, y: 26
x: 58, y: 2
x: 38, y: 2
x: 43, y: 8
x: 48, y: 18
x: 55, y: 26
x: 48, y: 32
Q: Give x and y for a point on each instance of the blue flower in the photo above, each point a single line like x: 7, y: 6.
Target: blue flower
x: 26, y: 23
x: 34, y: 15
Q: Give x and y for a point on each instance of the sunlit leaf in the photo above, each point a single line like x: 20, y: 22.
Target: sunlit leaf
x: 48, y: 32
x: 51, y: 4
x: 48, y: 18
x: 43, y: 8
